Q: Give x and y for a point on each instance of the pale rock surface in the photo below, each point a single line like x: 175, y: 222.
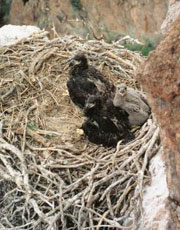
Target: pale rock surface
x: 172, y: 14
x: 155, y: 214
x: 9, y: 34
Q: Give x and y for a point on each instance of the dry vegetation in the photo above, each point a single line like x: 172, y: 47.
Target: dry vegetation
x: 51, y: 177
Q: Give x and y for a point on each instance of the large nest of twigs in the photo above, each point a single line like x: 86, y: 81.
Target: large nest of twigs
x: 51, y: 176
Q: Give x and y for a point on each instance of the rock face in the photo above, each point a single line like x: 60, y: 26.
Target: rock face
x: 111, y: 19
x: 155, y: 214
x: 172, y: 14
x: 160, y: 78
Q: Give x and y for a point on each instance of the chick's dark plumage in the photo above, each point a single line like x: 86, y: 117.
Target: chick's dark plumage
x: 105, y: 124
x: 85, y: 80
x: 92, y: 92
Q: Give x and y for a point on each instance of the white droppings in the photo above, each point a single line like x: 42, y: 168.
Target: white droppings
x: 9, y: 34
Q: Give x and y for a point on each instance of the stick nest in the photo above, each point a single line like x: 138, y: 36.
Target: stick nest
x: 51, y: 177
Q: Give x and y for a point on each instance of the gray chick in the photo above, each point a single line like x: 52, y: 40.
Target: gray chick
x: 133, y: 102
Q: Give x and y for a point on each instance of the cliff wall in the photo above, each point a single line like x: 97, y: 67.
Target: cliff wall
x: 141, y: 19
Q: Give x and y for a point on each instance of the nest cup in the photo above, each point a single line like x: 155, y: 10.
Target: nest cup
x: 51, y: 177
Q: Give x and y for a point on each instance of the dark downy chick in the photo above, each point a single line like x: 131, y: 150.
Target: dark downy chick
x: 106, y: 124
x: 85, y: 80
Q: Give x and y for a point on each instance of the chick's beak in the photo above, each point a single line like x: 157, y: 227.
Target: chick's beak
x: 71, y: 63
x: 89, y: 105
x: 122, y: 92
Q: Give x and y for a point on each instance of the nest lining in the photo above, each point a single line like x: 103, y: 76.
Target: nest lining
x: 51, y: 177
